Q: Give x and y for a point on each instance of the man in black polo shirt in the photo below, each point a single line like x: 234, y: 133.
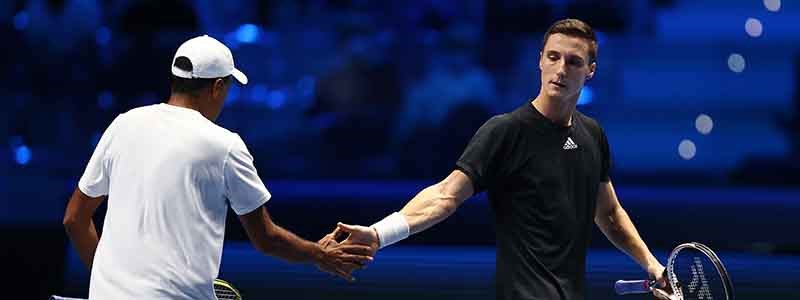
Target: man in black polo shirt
x: 545, y: 167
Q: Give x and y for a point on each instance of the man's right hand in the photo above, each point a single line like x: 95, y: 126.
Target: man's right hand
x: 662, y: 291
x: 359, y: 235
x: 342, y: 259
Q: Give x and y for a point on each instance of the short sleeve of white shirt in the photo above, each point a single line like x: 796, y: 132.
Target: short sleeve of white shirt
x: 94, y: 182
x: 243, y: 188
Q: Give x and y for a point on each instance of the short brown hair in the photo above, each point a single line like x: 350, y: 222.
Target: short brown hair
x: 574, y: 28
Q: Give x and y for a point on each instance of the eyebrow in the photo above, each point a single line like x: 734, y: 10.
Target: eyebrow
x: 567, y: 55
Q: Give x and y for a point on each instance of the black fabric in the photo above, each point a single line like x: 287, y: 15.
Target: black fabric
x: 543, y: 198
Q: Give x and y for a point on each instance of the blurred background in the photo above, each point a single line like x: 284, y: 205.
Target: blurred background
x: 353, y: 106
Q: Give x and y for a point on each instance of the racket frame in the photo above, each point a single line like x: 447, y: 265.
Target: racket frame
x: 719, y: 267
x: 227, y: 285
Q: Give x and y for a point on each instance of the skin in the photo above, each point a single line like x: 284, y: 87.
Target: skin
x: 264, y: 234
x: 208, y: 101
x: 565, y: 66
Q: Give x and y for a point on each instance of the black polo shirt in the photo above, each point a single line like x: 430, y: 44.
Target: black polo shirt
x: 542, y: 181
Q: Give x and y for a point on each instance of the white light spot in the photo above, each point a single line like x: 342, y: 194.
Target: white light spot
x: 772, y: 5
x: 704, y: 124
x: 736, y: 62
x: 687, y: 149
x: 753, y: 27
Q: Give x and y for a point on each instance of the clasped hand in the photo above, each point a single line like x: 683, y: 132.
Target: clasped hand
x: 346, y: 249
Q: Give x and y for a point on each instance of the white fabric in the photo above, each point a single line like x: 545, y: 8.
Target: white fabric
x: 392, y: 229
x: 167, y: 171
x: 210, y: 59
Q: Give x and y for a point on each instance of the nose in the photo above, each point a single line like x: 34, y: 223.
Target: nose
x: 561, y: 68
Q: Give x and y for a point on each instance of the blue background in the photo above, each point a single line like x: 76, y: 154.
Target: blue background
x: 354, y: 106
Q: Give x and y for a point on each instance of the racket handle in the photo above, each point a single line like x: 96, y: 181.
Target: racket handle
x: 624, y: 287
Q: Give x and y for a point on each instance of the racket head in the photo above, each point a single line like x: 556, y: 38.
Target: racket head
x: 695, y: 272
x: 225, y: 291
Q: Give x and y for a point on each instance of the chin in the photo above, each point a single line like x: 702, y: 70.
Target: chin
x: 553, y: 93
x: 560, y: 96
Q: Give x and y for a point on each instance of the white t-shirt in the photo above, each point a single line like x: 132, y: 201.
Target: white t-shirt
x: 168, y: 172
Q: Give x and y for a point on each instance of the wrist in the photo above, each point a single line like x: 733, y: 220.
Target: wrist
x: 376, y: 237
x: 391, y: 229
x: 317, y: 254
x: 653, y: 266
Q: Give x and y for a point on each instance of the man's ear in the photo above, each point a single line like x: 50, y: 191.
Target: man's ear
x: 592, y: 69
x: 540, y: 60
x: 218, y: 87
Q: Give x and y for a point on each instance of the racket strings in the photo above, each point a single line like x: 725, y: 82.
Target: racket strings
x: 225, y: 293
x: 699, y: 281
x: 697, y: 277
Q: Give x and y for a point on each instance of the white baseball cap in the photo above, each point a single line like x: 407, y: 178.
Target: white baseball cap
x: 209, y: 58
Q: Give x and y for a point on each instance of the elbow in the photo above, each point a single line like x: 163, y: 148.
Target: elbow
x: 268, y: 242
x: 263, y: 245
x: 447, y: 207
x: 447, y: 203
x: 263, y: 248
x: 607, y: 219
x: 70, y: 222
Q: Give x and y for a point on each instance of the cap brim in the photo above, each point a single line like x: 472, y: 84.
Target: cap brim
x: 181, y: 73
x: 239, y: 76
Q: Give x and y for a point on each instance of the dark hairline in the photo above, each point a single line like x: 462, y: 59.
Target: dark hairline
x: 577, y: 29
x: 590, y: 59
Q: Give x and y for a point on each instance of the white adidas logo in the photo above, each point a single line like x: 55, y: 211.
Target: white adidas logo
x: 569, y: 145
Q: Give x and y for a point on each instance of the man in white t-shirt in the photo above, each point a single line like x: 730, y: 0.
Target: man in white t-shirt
x: 170, y: 173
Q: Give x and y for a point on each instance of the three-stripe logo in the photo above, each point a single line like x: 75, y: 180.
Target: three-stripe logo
x: 569, y: 145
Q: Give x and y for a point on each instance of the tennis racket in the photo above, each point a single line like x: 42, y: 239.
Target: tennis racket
x: 694, y: 272
x: 222, y: 289
x: 225, y: 291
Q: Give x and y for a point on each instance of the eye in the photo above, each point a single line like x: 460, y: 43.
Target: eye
x: 576, y: 62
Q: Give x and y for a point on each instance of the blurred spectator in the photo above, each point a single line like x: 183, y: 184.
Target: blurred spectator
x: 510, y: 20
x: 220, y: 17
x: 604, y: 15
x: 46, y: 89
x: 359, y: 94
x: 61, y: 27
x: 148, y: 32
x: 522, y: 78
x: 454, y: 81
x: 453, y: 78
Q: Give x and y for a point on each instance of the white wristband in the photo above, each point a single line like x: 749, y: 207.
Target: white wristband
x: 391, y: 229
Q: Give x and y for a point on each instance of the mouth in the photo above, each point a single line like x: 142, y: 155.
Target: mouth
x: 558, y: 84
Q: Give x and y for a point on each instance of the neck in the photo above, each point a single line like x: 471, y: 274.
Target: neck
x: 558, y: 111
x: 187, y: 101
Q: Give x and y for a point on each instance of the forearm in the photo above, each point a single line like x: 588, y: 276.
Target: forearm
x: 286, y: 245
x: 84, y: 238
x: 431, y: 206
x: 619, y: 229
x: 270, y: 239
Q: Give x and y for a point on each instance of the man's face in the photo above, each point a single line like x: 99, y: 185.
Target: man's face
x: 565, y: 66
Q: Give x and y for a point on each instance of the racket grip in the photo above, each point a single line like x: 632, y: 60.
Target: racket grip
x: 624, y: 287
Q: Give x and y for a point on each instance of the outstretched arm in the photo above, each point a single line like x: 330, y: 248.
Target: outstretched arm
x: 437, y: 202
x: 271, y: 239
x: 615, y: 224
x: 429, y: 207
